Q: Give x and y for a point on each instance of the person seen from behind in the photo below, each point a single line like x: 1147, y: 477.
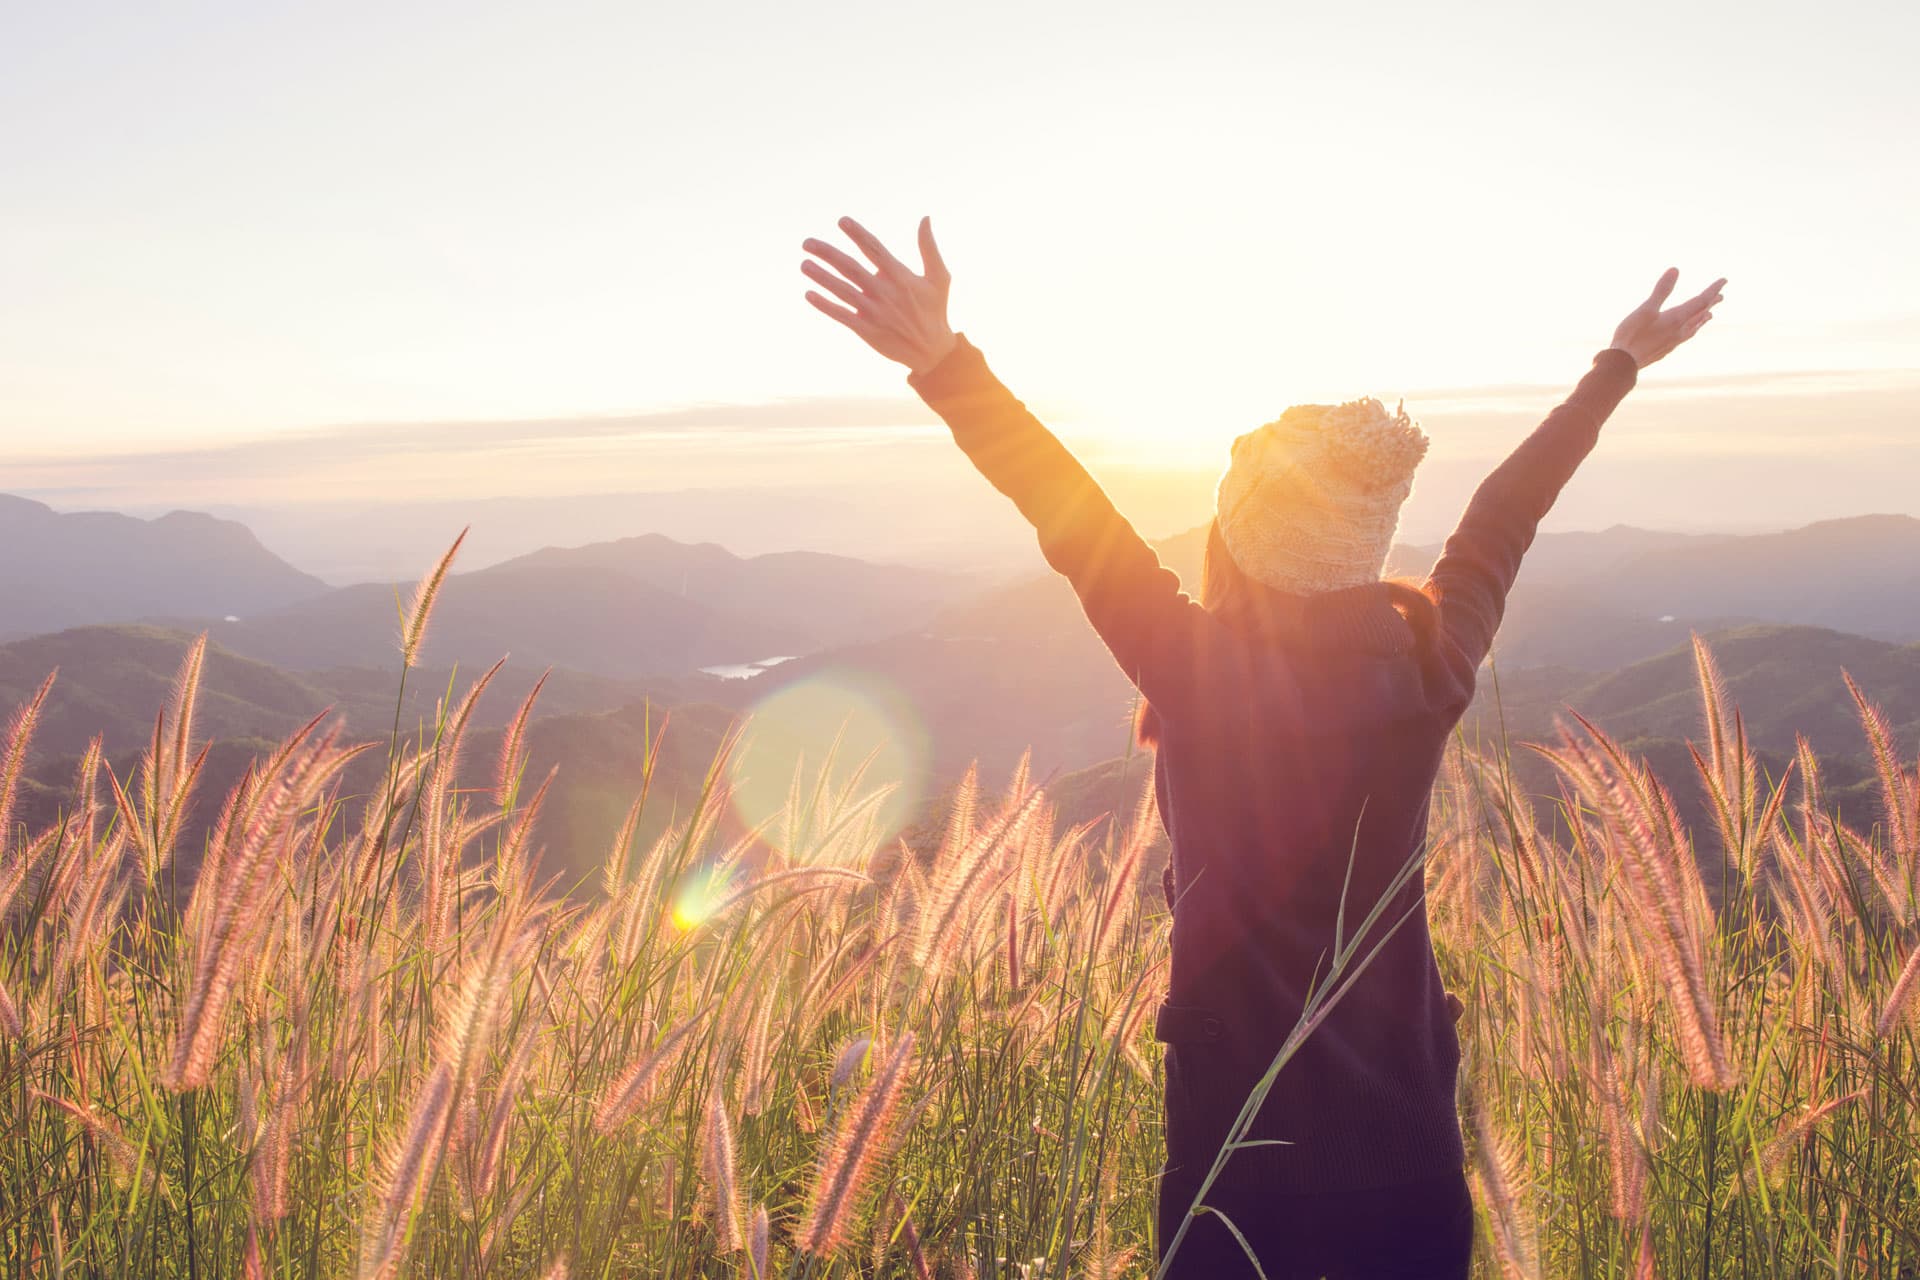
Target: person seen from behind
x: 1299, y: 710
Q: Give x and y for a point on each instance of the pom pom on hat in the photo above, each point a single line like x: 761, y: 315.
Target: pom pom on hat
x: 1376, y: 448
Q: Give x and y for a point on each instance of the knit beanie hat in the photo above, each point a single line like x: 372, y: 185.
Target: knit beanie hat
x: 1310, y: 502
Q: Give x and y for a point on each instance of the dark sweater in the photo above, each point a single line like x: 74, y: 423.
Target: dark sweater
x: 1286, y: 748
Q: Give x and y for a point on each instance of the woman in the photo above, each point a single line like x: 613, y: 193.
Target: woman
x: 1300, y: 710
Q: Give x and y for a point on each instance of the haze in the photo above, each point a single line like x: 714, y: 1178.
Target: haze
x: 289, y: 265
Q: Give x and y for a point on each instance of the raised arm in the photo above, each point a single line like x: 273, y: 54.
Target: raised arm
x: 1134, y: 603
x: 1476, y: 570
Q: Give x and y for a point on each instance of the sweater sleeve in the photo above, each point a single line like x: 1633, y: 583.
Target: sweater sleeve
x: 1135, y: 604
x: 1477, y: 568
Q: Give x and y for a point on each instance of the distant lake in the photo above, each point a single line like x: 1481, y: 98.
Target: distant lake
x: 746, y: 670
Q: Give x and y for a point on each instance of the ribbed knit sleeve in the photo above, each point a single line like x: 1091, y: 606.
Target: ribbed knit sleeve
x: 1135, y: 604
x: 1477, y: 568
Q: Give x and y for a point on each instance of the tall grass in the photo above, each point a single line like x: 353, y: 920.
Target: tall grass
x: 367, y: 1041
x: 1686, y: 1060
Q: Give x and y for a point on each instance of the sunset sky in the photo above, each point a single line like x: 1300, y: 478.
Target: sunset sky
x: 227, y: 224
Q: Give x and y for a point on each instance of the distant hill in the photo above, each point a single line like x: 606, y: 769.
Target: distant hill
x: 78, y: 568
x: 1860, y: 575
x: 1566, y: 609
x: 112, y: 681
x: 1786, y: 681
x: 825, y: 599
x: 988, y: 676
x: 578, y: 617
x: 1566, y: 556
x: 638, y: 607
x: 1019, y: 667
x: 1601, y: 600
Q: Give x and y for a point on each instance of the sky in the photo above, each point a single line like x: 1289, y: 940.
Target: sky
x: 418, y: 251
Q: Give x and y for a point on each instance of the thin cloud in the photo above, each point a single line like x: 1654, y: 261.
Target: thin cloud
x: 859, y: 439
x: 815, y: 413
x: 1501, y: 397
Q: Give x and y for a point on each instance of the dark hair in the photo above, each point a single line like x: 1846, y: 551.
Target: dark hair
x: 1227, y: 590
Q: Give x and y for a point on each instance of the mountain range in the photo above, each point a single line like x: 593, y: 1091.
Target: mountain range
x: 1019, y: 666
x: 986, y: 671
x: 1786, y: 680
x: 71, y: 569
x: 643, y: 606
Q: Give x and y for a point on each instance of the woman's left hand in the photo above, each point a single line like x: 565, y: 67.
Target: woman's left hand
x: 1652, y: 330
x: 901, y: 315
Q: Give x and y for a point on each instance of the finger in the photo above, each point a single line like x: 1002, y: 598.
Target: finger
x: 1663, y: 287
x: 931, y: 262
x: 875, y: 251
x: 841, y: 262
x: 869, y: 332
x: 1707, y: 297
x: 834, y: 285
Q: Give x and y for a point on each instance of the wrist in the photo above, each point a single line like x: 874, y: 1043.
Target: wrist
x: 928, y: 358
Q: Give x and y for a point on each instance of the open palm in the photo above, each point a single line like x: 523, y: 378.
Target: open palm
x: 1650, y: 333
x: 896, y: 311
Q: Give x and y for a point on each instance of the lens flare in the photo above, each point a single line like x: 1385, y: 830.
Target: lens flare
x: 701, y: 890
x: 839, y: 723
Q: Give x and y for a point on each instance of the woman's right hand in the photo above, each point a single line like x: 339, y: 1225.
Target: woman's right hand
x: 900, y: 314
x: 1648, y: 333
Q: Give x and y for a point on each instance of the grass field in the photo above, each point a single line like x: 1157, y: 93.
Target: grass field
x: 367, y: 1042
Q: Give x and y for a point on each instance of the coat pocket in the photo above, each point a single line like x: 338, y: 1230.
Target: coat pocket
x: 1196, y: 1040
x: 1188, y: 1024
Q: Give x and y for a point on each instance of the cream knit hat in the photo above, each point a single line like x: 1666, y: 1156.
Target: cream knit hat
x: 1310, y: 502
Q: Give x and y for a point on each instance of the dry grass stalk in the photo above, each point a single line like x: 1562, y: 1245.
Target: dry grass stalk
x: 902, y: 1230
x: 623, y: 1097
x: 849, y: 1061
x: 490, y: 1148
x: 1557, y: 934
x: 1793, y: 1136
x: 718, y: 1172
x: 1498, y: 1172
x: 1626, y: 1153
x: 253, y: 1266
x: 443, y: 830
x: 226, y: 908
x: 962, y: 878
x: 1901, y: 997
x: 408, y: 1170
x: 859, y: 1145
x: 1897, y: 797
x: 759, y: 1244
x: 13, y: 756
x: 1123, y: 876
x: 1105, y: 1260
x: 513, y: 743
x: 413, y: 626
x: 756, y: 1073
x: 122, y: 1154
x: 1646, y: 841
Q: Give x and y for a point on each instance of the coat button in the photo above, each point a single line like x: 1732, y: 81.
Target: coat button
x: 1213, y: 1028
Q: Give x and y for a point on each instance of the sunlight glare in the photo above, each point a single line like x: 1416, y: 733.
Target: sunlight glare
x: 701, y: 890
x: 839, y: 720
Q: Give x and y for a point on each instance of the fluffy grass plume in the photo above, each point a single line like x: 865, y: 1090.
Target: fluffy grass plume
x: 862, y: 1142
x: 413, y: 621
x: 363, y: 1042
